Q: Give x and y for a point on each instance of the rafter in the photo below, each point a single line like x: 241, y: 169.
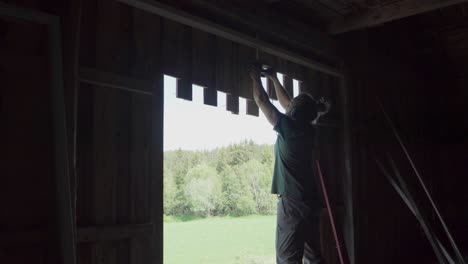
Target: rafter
x: 397, y: 10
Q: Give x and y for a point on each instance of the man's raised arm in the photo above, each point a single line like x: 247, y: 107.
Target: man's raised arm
x: 283, y: 96
x: 261, y: 98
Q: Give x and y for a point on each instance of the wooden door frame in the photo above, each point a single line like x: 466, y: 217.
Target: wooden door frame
x: 62, y: 170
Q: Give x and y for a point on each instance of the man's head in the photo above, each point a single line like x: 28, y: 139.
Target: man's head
x: 303, y: 108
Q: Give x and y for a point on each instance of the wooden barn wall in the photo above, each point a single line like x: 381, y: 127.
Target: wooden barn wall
x: 113, y: 125
x: 29, y: 230
x: 382, y: 65
x: 114, y: 60
x: 445, y: 38
x: 119, y: 135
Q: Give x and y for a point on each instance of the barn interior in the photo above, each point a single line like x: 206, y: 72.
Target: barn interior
x: 81, y: 104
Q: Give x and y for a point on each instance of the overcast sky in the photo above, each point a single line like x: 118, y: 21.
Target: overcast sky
x: 191, y: 125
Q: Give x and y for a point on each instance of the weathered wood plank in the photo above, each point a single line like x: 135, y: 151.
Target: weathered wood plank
x: 244, y: 56
x: 111, y: 113
x: 146, y: 138
x: 210, y: 96
x: 177, y: 56
x: 288, y: 85
x: 204, y: 64
x: 252, y: 108
x: 232, y: 103
x: 224, y: 65
x: 156, y: 176
x: 203, y: 58
x: 112, y: 41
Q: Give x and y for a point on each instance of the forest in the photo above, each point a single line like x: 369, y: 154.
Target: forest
x: 229, y: 181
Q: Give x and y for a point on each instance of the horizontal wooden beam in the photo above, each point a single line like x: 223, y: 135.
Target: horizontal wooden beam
x: 185, y: 18
x: 389, y: 13
x: 116, y: 81
x: 114, y: 232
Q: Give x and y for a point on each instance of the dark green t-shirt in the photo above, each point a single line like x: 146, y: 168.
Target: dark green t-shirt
x: 293, y: 174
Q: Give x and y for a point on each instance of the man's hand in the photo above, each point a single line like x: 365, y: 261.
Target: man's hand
x: 270, y: 74
x: 325, y: 106
x: 254, y: 73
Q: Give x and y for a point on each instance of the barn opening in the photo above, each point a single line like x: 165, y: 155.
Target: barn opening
x: 217, y: 180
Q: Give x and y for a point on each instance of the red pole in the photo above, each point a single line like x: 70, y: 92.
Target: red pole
x: 330, y: 214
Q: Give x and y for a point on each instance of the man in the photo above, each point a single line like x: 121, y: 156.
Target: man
x: 297, y: 231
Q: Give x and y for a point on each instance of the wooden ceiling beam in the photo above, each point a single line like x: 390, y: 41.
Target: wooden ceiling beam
x: 185, y: 18
x: 388, y: 13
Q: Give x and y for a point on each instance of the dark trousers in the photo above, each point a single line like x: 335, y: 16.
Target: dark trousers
x: 298, y: 232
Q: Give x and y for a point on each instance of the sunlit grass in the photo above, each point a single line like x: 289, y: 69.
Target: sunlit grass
x: 227, y: 240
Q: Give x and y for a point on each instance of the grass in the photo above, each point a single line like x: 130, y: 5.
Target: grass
x: 227, y: 240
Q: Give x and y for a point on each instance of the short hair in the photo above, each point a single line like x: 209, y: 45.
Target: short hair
x: 305, y: 108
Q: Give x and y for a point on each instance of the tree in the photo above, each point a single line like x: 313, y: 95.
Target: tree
x: 233, y: 180
x: 232, y: 191
x: 258, y: 181
x: 203, y: 190
x: 170, y: 191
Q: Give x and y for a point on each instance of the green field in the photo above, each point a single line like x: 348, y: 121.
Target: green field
x: 221, y: 240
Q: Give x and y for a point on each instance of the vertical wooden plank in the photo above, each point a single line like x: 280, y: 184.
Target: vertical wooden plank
x: 145, y: 44
x: 71, y: 32
x: 288, y: 84
x: 203, y: 58
x: 225, y: 73
x: 140, y: 165
x: 348, y: 183
x: 85, y: 160
x: 62, y: 163
x: 144, y: 178
x: 210, y: 96
x: 87, y: 51
x: 156, y: 178
x: 232, y: 103
x: 113, y: 35
x: 184, y: 89
x: 177, y: 56
x: 252, y: 108
x: 245, y: 55
x: 224, y: 63
x: 204, y: 64
x: 111, y: 123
